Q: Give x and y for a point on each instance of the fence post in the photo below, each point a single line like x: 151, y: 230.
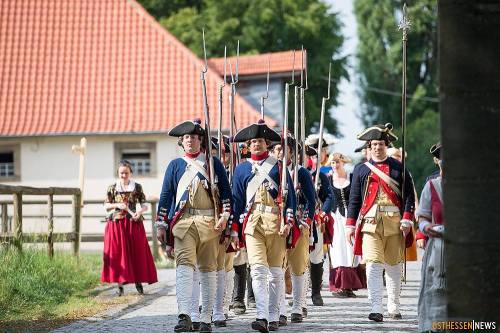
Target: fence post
x: 154, y: 239
x: 5, y: 219
x: 77, y: 206
x: 50, y: 218
x: 18, y: 220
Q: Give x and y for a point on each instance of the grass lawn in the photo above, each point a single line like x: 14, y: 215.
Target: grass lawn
x: 38, y: 294
x: 35, y: 290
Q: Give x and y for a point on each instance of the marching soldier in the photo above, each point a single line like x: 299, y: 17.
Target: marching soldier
x: 187, y: 221
x: 323, y: 226
x: 385, y: 221
x: 256, y: 194
x: 298, y: 257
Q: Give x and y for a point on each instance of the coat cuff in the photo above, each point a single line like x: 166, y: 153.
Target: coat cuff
x: 351, y: 222
x: 407, y: 216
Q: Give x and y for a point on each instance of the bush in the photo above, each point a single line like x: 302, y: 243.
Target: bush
x: 32, y: 285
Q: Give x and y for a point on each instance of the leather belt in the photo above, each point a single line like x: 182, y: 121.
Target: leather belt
x: 265, y: 209
x: 392, y: 209
x: 203, y: 212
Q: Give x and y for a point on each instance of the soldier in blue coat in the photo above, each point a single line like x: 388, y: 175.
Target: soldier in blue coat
x: 297, y: 259
x: 190, y: 220
x: 256, y: 196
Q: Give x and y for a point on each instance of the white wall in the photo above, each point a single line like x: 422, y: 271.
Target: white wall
x: 50, y: 162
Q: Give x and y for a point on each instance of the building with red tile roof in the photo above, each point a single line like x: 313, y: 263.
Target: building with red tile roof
x: 87, y: 67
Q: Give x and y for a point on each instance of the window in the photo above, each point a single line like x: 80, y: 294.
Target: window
x: 141, y: 161
x: 141, y: 155
x: 9, y: 163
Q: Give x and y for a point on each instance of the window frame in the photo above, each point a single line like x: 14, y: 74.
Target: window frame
x: 16, y: 151
x: 121, y: 147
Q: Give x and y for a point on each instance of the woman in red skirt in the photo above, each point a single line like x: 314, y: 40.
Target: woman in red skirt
x: 127, y: 257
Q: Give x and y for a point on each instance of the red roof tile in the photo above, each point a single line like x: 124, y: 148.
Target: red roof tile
x: 95, y: 67
x: 280, y: 62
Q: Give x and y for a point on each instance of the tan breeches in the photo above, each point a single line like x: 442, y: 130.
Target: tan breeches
x: 268, y: 250
x: 386, y: 243
x: 191, y: 251
x: 298, y: 257
x: 224, y: 260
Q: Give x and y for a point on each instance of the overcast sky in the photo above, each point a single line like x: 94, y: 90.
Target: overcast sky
x: 345, y: 113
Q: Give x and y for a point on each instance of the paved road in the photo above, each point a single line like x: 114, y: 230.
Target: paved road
x: 156, y: 312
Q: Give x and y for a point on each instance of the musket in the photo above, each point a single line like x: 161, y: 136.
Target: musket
x: 233, y: 150
x: 208, y: 142
x: 266, y: 96
x: 321, y: 128
x: 221, y: 151
x: 404, y: 25
x: 284, y: 149
x: 296, y: 161
x: 303, y: 88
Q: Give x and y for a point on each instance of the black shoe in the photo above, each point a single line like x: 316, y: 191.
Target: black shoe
x: 239, y: 308
x: 120, y: 290
x: 283, y: 320
x: 204, y: 327
x: 260, y: 325
x: 296, y: 318
x: 251, y: 305
x: 395, y: 315
x: 139, y: 288
x: 274, y: 325
x: 317, y: 299
x: 304, y: 312
x: 378, y: 317
x: 184, y: 324
x: 220, y: 323
x: 196, y: 326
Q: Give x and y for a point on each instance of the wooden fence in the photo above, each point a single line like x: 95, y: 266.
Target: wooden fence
x: 11, y: 231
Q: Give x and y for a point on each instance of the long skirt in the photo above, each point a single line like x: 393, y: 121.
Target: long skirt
x: 127, y: 257
x: 346, y: 272
x: 432, y: 298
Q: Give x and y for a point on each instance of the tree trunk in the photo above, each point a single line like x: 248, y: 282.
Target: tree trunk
x: 469, y: 51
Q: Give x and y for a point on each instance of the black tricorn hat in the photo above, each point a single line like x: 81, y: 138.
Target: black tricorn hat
x: 378, y: 132
x: 215, y: 142
x: 290, y: 142
x: 359, y: 149
x: 255, y: 131
x: 436, y: 150
x: 187, y: 127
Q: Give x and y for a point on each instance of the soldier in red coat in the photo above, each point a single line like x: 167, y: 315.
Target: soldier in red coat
x: 379, y: 221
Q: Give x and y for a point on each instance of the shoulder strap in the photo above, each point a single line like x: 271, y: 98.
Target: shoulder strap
x: 187, y: 178
x: 198, y: 165
x: 436, y: 186
x: 261, y: 174
x: 387, y: 179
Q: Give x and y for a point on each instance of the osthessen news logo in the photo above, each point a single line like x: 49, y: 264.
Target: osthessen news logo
x: 471, y: 325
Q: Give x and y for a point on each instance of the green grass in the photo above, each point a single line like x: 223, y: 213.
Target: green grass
x: 33, y: 286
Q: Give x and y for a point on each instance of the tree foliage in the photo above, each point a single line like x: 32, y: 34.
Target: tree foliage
x: 263, y: 26
x: 380, y: 66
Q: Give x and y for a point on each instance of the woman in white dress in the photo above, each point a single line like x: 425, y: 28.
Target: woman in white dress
x: 346, y: 273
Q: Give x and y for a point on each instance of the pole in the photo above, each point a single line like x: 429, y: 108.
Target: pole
x: 321, y: 129
x: 404, y: 25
